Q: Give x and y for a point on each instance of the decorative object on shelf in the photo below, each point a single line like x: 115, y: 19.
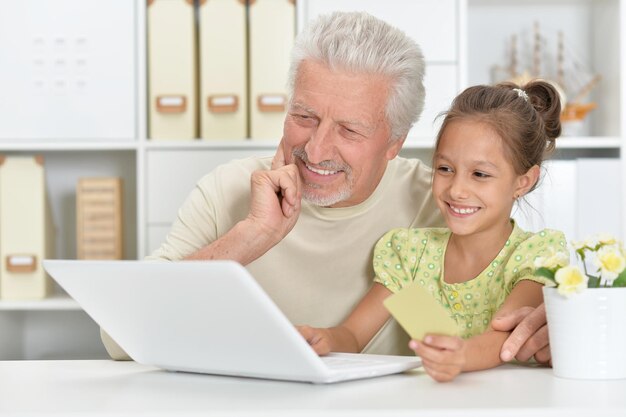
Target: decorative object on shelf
x: 570, y: 76
x: 26, y: 229
x: 586, y: 310
x: 99, y: 226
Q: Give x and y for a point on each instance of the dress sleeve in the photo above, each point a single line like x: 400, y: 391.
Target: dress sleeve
x: 396, y: 257
x: 543, y: 244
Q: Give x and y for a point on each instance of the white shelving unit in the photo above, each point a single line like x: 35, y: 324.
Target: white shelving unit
x: 58, y: 302
x: 159, y: 174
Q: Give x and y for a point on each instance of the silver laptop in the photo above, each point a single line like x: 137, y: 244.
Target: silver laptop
x: 206, y: 317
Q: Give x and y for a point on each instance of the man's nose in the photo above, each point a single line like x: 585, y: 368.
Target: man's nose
x: 320, y: 146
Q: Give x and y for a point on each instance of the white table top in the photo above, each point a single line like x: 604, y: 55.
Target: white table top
x: 108, y: 388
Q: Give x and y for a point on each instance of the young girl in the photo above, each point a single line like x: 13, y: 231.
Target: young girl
x: 487, y: 155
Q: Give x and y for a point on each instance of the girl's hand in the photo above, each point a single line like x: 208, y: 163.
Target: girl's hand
x: 319, y: 339
x: 443, y: 357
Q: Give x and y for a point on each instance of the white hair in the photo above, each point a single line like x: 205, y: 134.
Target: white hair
x: 361, y: 43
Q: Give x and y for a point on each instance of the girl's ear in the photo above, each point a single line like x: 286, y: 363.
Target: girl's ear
x: 526, y: 182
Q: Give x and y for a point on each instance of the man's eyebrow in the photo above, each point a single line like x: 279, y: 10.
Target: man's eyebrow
x: 359, y: 124
x: 299, y: 106
x: 356, y: 123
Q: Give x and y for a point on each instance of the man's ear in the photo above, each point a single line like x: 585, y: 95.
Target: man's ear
x: 394, y: 147
x: 527, y: 181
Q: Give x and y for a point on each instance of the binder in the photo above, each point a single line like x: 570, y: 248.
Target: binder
x: 271, y: 36
x: 26, y: 229
x: 223, y: 65
x: 99, y: 226
x: 171, y: 69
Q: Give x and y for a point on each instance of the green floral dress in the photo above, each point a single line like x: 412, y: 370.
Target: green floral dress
x: 403, y: 256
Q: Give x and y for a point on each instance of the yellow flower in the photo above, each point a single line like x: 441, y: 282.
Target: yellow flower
x: 570, y: 280
x: 610, y: 262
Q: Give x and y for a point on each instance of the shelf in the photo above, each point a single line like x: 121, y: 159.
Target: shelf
x: 588, y: 142
x: 411, y: 143
x: 564, y: 142
x: 86, y: 145
x: 174, y: 144
x: 53, y: 303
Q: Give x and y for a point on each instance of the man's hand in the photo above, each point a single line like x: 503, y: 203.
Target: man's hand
x: 443, y: 357
x: 529, y: 334
x: 274, y: 209
x: 279, y: 157
x: 276, y: 200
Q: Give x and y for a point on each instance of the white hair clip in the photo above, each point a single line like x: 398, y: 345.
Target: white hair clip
x: 521, y: 93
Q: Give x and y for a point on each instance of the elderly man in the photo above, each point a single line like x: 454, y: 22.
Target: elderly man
x: 306, y: 230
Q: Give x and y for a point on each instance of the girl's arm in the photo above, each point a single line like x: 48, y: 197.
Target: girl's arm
x: 357, y: 330
x: 484, y: 350
x: 444, y: 357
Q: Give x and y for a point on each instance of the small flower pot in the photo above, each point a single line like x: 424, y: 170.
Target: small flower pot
x: 587, y: 333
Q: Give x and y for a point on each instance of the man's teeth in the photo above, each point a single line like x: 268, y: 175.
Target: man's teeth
x: 464, y: 210
x: 321, y: 171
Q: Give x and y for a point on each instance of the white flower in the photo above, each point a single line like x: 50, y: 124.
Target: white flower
x: 553, y: 261
x: 610, y: 262
x: 600, y: 239
x: 606, y: 239
x: 578, y: 244
x: 570, y: 280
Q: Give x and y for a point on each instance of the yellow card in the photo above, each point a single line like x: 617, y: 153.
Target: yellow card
x: 419, y: 313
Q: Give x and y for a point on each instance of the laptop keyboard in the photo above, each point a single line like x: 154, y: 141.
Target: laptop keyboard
x: 334, y: 362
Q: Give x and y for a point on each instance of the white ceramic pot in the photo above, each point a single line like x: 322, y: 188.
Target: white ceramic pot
x: 587, y: 333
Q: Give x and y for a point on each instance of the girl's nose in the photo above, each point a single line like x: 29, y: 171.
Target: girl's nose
x: 458, y: 189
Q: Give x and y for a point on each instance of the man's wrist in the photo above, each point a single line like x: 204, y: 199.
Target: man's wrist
x: 244, y: 243
x: 254, y: 238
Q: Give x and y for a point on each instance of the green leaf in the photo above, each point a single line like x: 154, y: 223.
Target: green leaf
x: 545, y: 272
x: 621, y: 280
x: 594, y: 282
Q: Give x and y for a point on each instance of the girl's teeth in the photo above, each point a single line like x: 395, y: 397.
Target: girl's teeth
x: 464, y: 210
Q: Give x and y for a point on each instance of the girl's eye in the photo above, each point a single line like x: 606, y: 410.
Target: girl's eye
x: 481, y: 174
x: 444, y: 169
